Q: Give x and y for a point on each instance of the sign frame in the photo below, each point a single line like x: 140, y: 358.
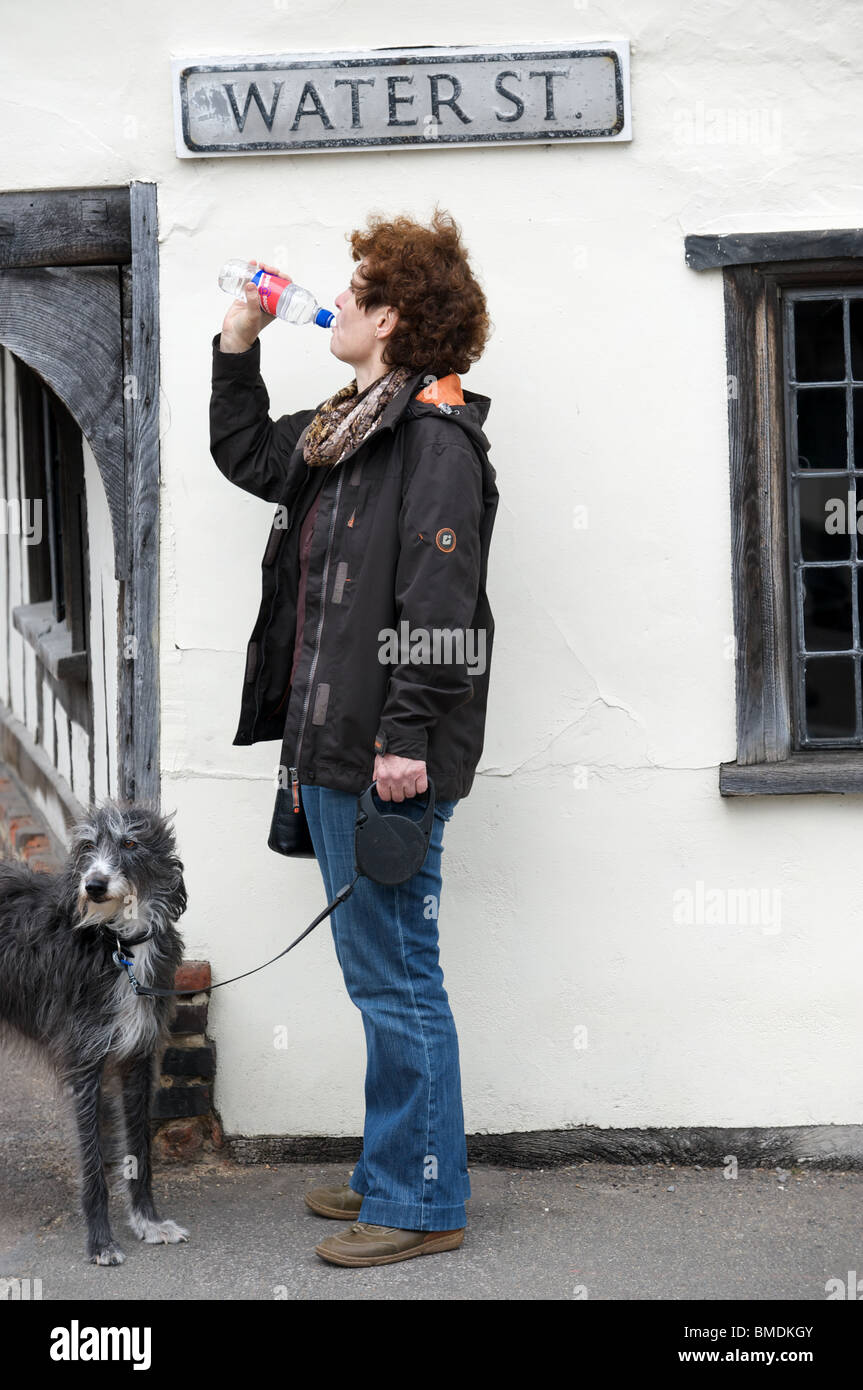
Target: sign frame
x: 352, y: 59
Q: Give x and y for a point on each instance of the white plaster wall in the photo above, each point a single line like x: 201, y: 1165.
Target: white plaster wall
x: 607, y: 377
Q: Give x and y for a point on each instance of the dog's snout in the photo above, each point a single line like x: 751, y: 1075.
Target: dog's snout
x: 96, y: 888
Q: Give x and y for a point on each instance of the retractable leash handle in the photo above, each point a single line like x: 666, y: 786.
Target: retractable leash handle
x: 388, y: 848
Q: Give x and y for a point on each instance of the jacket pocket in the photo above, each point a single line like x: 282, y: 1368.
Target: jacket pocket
x: 322, y: 699
x: 340, y: 581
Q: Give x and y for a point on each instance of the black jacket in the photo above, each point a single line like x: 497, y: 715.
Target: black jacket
x: 401, y: 537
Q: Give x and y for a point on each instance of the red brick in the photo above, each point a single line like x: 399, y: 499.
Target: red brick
x: 193, y: 974
x: 181, y: 1102
x: 44, y: 866
x: 21, y: 830
x: 189, y: 1018
x: 180, y: 1139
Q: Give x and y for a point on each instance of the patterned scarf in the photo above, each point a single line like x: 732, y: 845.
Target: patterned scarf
x: 344, y: 420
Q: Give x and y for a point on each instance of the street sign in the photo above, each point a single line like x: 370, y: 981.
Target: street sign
x: 406, y: 98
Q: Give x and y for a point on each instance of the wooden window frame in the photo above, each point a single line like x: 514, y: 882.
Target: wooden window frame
x: 59, y: 638
x: 756, y: 268
x: 106, y: 373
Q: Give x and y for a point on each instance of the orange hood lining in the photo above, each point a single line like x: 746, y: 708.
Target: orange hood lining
x: 445, y: 389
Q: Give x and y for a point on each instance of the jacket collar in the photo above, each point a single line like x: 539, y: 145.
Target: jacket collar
x: 401, y: 401
x: 445, y: 389
x: 404, y: 402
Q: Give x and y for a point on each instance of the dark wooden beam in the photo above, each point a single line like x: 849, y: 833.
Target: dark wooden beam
x: 804, y: 771
x: 827, y: 1146
x: 138, y: 635
x: 751, y: 248
x: 64, y: 226
x: 759, y: 534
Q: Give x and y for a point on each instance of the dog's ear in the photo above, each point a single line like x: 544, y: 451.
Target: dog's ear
x: 179, y: 898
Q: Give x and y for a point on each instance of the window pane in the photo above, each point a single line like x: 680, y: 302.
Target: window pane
x: 827, y: 609
x: 829, y: 685
x: 859, y: 575
x: 821, y: 432
x: 855, y: 314
x: 825, y: 518
x: 819, y: 340
x: 857, y: 402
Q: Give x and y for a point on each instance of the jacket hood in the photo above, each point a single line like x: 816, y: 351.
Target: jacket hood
x: 446, y: 398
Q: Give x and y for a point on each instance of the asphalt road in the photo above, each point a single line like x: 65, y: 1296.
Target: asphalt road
x: 590, y: 1230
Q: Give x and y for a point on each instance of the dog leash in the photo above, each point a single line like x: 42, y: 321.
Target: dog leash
x: 389, y: 849
x: 129, y: 965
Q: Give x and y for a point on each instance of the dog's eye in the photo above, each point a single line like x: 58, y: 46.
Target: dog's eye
x: 130, y: 844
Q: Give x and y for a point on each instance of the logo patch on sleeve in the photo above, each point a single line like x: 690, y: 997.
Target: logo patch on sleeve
x: 445, y: 539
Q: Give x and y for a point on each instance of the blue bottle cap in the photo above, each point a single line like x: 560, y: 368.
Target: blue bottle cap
x: 324, y: 317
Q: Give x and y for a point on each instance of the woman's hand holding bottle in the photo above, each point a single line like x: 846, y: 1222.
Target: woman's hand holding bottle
x: 244, y: 321
x: 262, y: 293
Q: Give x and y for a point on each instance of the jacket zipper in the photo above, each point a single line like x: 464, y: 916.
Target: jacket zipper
x: 340, y: 464
x: 294, y: 771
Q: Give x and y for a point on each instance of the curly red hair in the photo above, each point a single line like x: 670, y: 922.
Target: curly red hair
x: 423, y: 272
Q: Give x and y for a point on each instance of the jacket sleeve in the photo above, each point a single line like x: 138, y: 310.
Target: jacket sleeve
x: 437, y: 585
x: 252, y: 451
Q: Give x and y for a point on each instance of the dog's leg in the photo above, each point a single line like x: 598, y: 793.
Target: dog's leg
x: 101, y: 1247
x: 137, y: 1086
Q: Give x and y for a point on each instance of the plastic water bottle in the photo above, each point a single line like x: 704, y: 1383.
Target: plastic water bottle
x: 278, y: 294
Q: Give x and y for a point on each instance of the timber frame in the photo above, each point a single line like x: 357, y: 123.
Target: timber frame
x: 756, y: 268
x: 79, y: 303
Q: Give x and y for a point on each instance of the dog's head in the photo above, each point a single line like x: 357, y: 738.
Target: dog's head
x: 124, y: 864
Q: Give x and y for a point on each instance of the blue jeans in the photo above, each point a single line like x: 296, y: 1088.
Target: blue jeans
x: 413, y: 1170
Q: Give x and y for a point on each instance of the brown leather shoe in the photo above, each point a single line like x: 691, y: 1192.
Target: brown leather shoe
x: 341, y: 1203
x: 365, y: 1244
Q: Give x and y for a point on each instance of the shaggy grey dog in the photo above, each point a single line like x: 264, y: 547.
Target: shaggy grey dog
x: 62, y: 993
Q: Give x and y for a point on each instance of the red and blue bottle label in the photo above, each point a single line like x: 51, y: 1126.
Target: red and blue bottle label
x: 270, y: 288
